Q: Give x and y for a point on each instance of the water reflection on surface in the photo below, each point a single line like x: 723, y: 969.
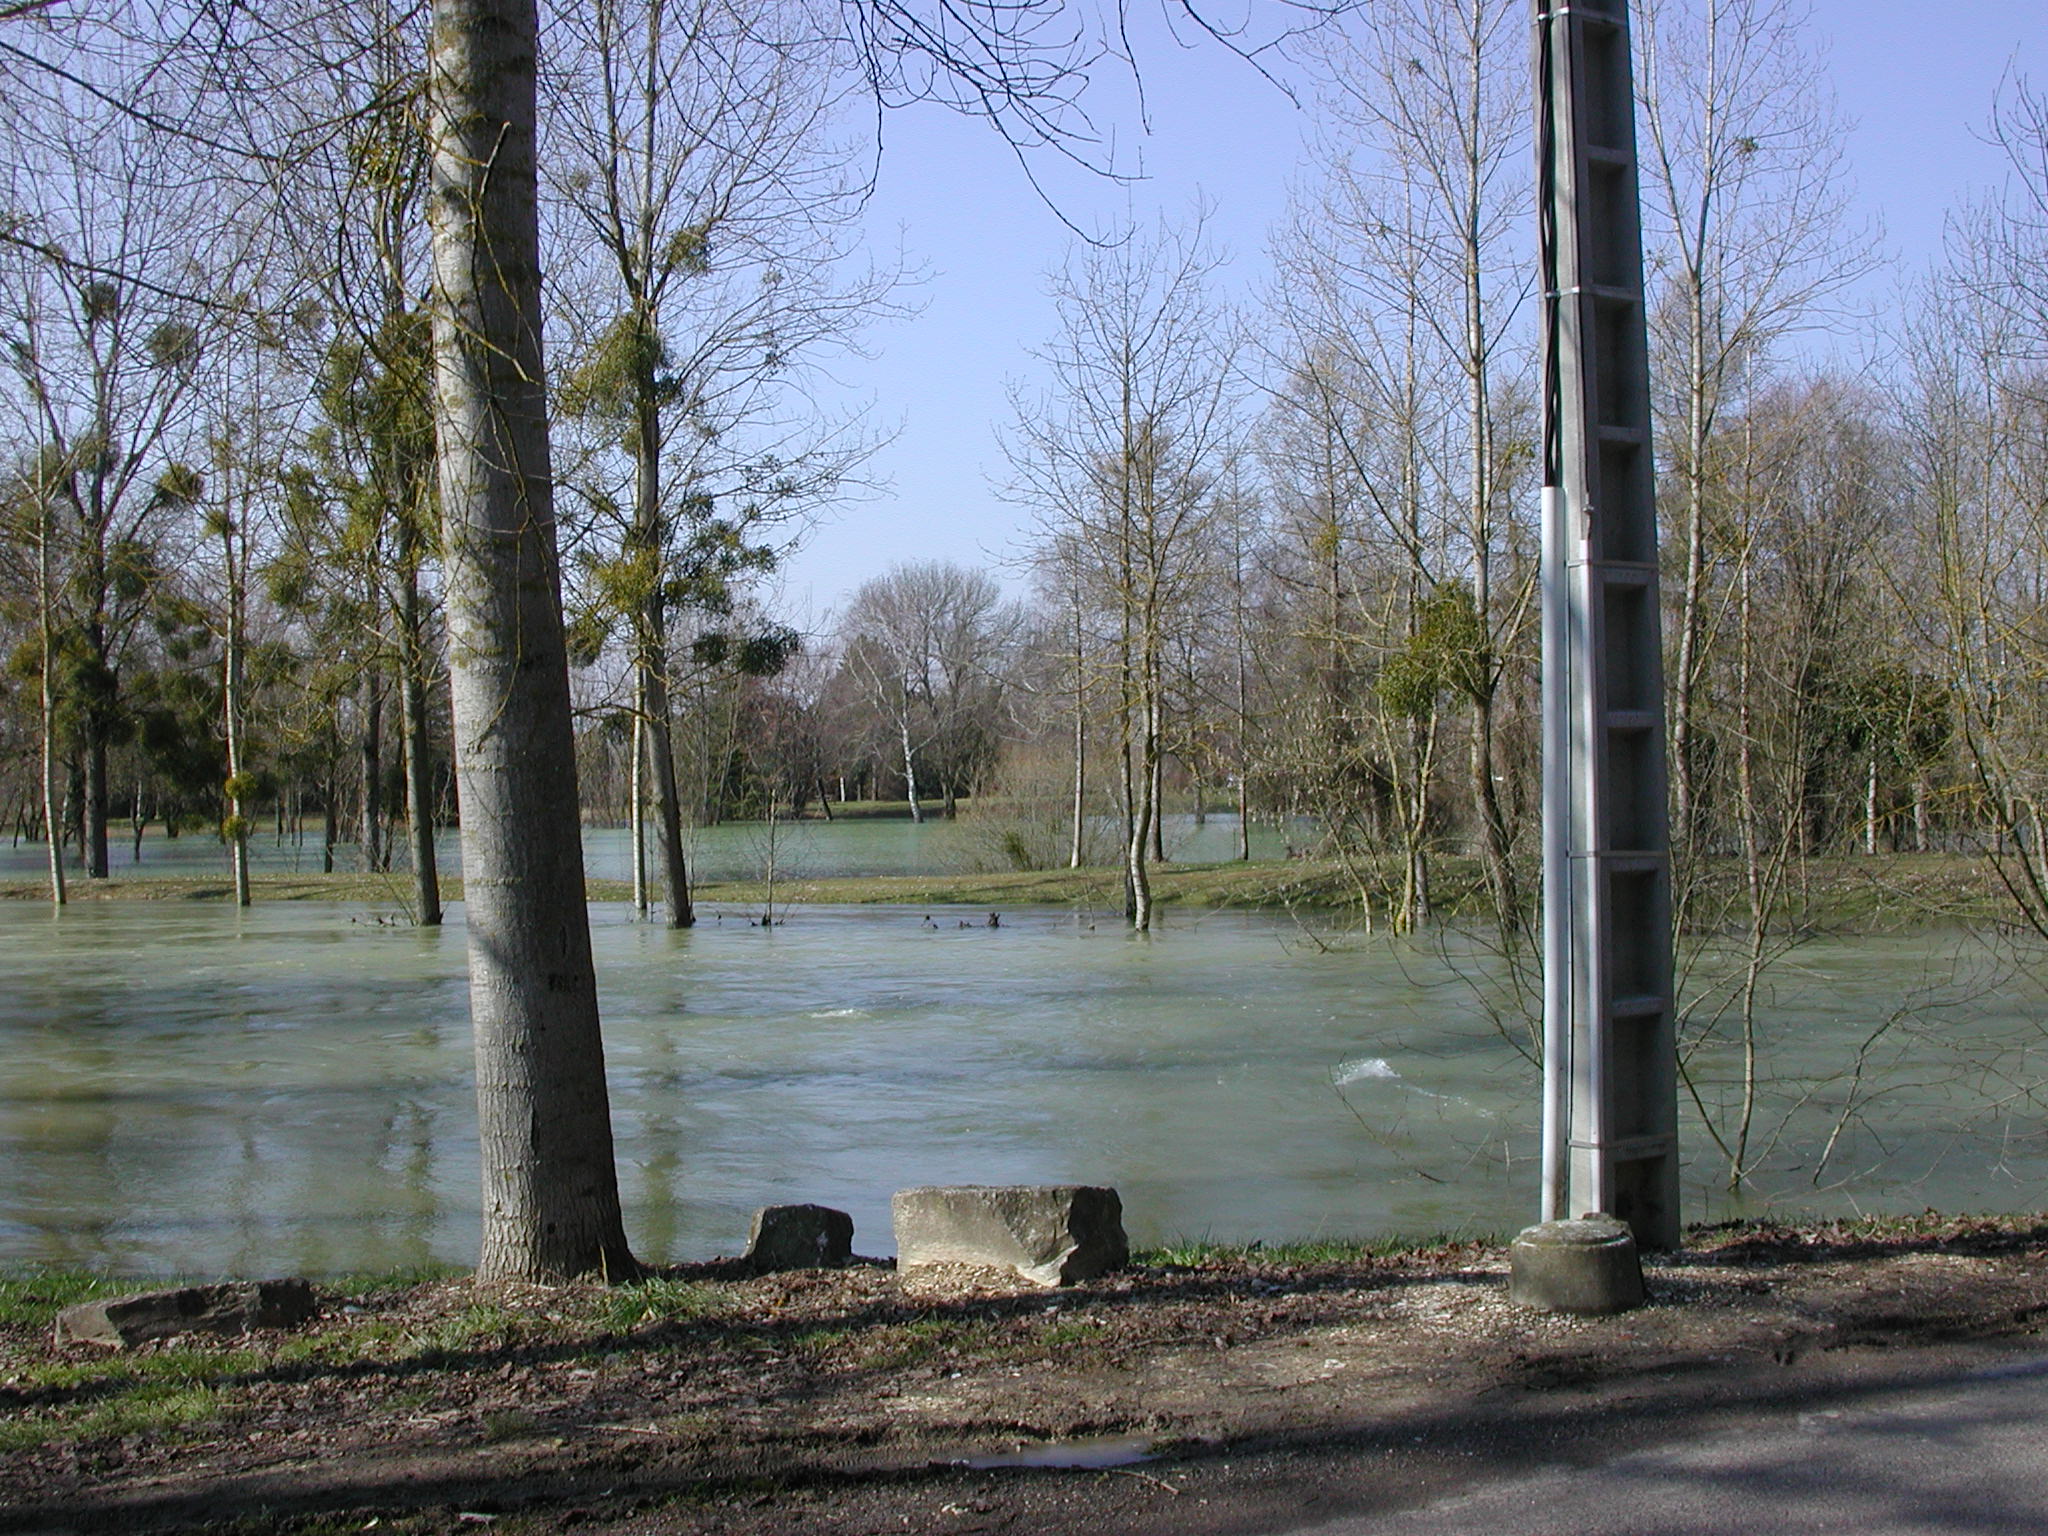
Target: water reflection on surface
x: 191, y: 1088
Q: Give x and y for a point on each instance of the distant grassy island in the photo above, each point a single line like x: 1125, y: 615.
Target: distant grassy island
x: 1842, y: 893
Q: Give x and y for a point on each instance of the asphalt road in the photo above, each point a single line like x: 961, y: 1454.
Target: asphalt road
x: 1968, y: 1454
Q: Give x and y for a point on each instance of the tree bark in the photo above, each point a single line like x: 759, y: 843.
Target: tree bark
x: 370, y: 795
x: 1145, y: 814
x: 650, y: 532
x: 231, y: 715
x: 1076, y: 842
x: 52, y: 823
x: 419, y: 763
x: 93, y: 831
x: 550, y: 1185
x: 909, y: 764
x: 668, y: 799
x: 636, y: 795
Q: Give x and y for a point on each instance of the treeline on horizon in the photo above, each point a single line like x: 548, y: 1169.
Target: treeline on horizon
x: 1283, y: 558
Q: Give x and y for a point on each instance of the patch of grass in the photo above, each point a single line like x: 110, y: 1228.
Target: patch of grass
x: 822, y: 1341
x: 362, y: 1285
x: 1928, y: 1226
x: 401, y: 1399
x: 1067, y: 1333
x: 510, y: 1424
x: 124, y: 1394
x: 897, y: 1346
x: 916, y: 1343
x: 174, y: 1367
x: 480, y: 1327
x: 1836, y: 893
x: 150, y: 1407
x: 659, y: 1300
x: 34, y: 1300
x: 860, y: 810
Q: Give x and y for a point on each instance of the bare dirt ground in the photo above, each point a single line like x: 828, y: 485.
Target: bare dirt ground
x: 1259, y: 1391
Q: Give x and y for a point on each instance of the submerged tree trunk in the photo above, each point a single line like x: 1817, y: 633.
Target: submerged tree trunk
x: 1414, y: 909
x: 1133, y: 851
x: 237, y: 826
x: 1077, y: 840
x: 1155, y: 791
x: 52, y: 824
x: 636, y: 796
x: 651, y: 662
x: 73, y: 819
x: 1244, y: 789
x: 668, y: 798
x: 1145, y: 813
x: 419, y: 763
x: 92, y: 840
x: 1496, y: 844
x: 370, y: 797
x: 1078, y: 816
x: 550, y: 1184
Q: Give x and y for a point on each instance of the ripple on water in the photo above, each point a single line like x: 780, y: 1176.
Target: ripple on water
x: 1364, y: 1069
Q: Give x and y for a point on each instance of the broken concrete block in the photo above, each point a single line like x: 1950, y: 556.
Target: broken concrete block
x: 1051, y: 1234
x: 125, y: 1321
x: 799, y: 1237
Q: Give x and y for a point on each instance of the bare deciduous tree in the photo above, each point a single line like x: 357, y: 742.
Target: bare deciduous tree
x: 1120, y: 460
x: 700, y: 159
x: 1745, y: 230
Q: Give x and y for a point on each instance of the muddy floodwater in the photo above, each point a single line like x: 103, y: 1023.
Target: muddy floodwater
x: 188, y: 1088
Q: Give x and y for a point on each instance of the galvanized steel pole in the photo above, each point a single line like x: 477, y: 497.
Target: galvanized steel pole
x: 1610, y: 1104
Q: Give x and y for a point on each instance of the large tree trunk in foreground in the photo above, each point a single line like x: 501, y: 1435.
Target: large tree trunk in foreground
x: 550, y: 1188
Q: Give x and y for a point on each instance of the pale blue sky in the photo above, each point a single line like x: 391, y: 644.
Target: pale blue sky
x: 1916, y: 80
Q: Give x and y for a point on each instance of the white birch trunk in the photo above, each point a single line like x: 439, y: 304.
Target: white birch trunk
x: 909, y: 765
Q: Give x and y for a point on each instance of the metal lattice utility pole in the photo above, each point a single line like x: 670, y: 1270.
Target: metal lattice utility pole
x: 1610, y: 1108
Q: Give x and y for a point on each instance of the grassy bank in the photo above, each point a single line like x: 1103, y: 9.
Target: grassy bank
x: 1848, y: 895
x: 1271, y: 884
x: 393, y: 892
x: 421, y: 1341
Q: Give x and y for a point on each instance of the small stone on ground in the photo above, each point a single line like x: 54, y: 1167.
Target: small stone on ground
x: 799, y: 1237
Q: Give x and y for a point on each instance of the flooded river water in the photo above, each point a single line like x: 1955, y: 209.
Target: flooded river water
x: 193, y: 1089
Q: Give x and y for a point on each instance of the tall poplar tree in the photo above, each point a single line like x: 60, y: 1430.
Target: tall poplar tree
x: 551, y: 1195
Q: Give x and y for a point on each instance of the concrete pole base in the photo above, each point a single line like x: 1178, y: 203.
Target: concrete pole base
x: 1587, y: 1267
